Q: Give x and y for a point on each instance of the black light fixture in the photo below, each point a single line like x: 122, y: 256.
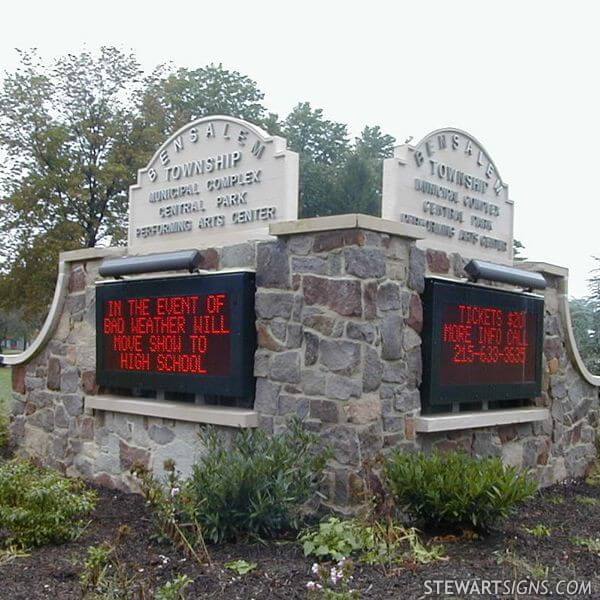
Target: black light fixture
x: 480, y: 269
x: 181, y: 260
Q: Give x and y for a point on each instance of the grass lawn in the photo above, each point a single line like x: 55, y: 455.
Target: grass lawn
x: 5, y: 388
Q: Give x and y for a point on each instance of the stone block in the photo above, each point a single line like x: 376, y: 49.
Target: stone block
x: 407, y: 399
x: 88, y: 382
x: 391, y: 337
x: 395, y: 372
x: 410, y: 339
x: 364, y: 332
x: 53, y: 378
x: 313, y: 383
x: 339, y: 387
x: 131, y: 455
x: 415, y: 313
x: 294, y: 333
x: 372, y: 370
x: 160, y: 434
x: 272, y: 265
x: 327, y: 411
x: 340, y: 356
x: 437, y: 261
x: 343, y: 440
x: 330, y: 240
x: 485, y: 444
x: 416, y: 269
x: 388, y: 296
x: 77, y: 280
x: 321, y: 323
x: 18, y: 379
x: 69, y: 379
x: 293, y: 405
x: 265, y: 338
x: 310, y: 264
x: 341, y: 295
x: 266, y: 399
x: 43, y: 418
x: 73, y: 403
x: 311, y: 348
x: 370, y: 300
x: 366, y: 263
x: 363, y: 410
x: 300, y: 244
x: 269, y: 305
x: 238, y: 256
x: 210, y: 259
x: 261, y: 363
x: 61, y: 417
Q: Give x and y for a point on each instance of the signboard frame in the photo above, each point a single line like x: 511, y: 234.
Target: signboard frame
x: 240, y: 287
x: 439, y: 292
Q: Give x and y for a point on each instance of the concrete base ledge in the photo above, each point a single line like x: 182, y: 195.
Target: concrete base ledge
x: 471, y: 420
x: 178, y: 411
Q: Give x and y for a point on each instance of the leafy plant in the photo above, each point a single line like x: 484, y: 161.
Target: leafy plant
x: 257, y: 486
x: 539, y: 530
x: 332, y: 583
x: 4, y: 431
x: 375, y: 544
x: 174, y: 589
x: 336, y: 539
x: 521, y: 566
x: 592, y: 544
x: 170, y: 508
x: 587, y: 500
x: 106, y: 576
x: 241, y: 567
x: 455, y: 489
x: 40, y: 506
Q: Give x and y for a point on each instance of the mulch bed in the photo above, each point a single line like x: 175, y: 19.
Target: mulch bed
x: 282, y: 572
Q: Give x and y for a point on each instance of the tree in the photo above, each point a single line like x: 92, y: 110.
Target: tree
x: 65, y: 130
x: 336, y: 176
x: 361, y: 177
x: 585, y: 316
x: 173, y: 98
x: 518, y: 248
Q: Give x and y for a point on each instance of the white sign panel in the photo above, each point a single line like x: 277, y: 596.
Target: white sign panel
x: 216, y: 181
x: 449, y: 186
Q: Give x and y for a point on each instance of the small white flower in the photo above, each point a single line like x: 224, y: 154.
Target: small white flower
x: 174, y: 492
x: 315, y: 569
x: 311, y: 585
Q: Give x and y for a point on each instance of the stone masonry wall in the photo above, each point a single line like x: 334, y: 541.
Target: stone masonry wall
x: 338, y: 323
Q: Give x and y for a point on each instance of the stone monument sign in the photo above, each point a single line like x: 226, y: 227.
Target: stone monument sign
x: 449, y: 186
x: 216, y: 181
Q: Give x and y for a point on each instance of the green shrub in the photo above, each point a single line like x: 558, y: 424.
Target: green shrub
x: 4, y: 430
x: 336, y: 539
x: 378, y: 543
x: 40, y: 506
x: 455, y: 489
x: 255, y: 487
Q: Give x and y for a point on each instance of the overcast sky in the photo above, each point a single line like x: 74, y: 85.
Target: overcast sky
x: 522, y: 77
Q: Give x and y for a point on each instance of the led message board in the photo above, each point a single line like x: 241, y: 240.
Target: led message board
x: 480, y: 344
x: 190, y: 334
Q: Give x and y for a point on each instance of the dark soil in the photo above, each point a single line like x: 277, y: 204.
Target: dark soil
x: 509, y: 553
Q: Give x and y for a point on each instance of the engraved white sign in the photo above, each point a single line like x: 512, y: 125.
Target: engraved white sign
x: 449, y: 186
x: 216, y: 181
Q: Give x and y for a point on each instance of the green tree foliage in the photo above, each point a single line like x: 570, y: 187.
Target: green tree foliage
x: 65, y: 132
x: 518, y: 249
x: 336, y: 176
x: 172, y: 98
x: 73, y: 133
x: 585, y: 316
